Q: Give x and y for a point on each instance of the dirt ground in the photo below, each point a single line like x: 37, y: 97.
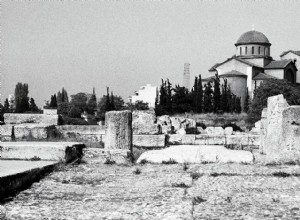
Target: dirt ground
x: 92, y: 190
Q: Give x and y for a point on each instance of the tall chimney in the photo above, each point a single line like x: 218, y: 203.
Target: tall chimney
x: 186, y: 76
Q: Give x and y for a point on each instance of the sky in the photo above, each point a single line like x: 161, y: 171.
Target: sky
x: 79, y: 45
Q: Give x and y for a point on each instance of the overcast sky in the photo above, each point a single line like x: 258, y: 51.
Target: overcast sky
x: 124, y: 45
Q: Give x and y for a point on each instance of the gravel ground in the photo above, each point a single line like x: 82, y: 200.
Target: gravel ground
x: 93, y: 190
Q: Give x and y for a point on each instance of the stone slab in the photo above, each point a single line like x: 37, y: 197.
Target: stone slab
x: 16, y: 174
x: 177, y: 139
x: 51, y: 151
x: 12, y: 118
x: 151, y: 141
x: 143, y: 122
x: 197, y: 154
x: 118, y: 156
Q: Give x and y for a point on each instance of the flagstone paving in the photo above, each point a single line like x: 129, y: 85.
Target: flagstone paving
x: 92, y: 190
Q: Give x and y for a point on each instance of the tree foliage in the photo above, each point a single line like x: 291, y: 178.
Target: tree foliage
x: 92, y: 104
x: 62, y: 102
x: 53, y: 101
x: 217, y: 94
x: 6, y: 108
x: 32, y: 106
x: 21, y: 98
x: 138, y: 105
x: 272, y: 87
x: 208, y: 98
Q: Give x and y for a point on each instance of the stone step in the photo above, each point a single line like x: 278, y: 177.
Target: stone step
x: 16, y: 175
x: 51, y: 151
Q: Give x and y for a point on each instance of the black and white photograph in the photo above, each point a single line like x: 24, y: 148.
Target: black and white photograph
x: 149, y: 110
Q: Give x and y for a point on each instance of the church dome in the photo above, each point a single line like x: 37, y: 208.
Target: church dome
x: 252, y: 37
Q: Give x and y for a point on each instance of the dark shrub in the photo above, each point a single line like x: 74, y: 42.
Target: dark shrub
x: 192, y: 131
x: 200, y: 124
x: 272, y: 87
x: 233, y: 125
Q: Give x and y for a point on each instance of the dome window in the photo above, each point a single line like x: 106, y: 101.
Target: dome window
x: 246, y: 50
x: 240, y: 50
x: 252, y: 50
x: 258, y: 50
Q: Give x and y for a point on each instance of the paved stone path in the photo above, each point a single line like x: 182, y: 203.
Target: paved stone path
x: 93, y: 190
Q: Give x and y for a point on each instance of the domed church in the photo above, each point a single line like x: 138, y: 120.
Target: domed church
x: 253, y: 64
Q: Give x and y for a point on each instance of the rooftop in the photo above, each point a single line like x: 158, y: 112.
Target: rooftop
x: 252, y: 37
x: 278, y: 64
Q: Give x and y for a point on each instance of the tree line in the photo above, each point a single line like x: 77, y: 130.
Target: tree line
x: 215, y: 98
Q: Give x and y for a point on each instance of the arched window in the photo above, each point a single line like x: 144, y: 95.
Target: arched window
x: 252, y: 50
x: 240, y: 50
x: 265, y: 52
x: 246, y: 50
x: 258, y: 50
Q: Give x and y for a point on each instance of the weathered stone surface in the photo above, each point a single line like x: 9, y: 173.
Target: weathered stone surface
x: 56, y: 151
x: 118, y: 156
x: 201, y: 130
x: 166, y: 124
x: 151, y: 141
x: 91, y: 135
x: 181, y: 131
x: 214, y: 130
x: 12, y: 118
x: 30, y: 131
x: 273, y: 136
x: 228, y: 131
x: 15, y: 174
x: 118, y: 133
x: 197, y: 154
x: 6, y: 132
x: 143, y: 122
x: 181, y: 122
x: 291, y: 128
x: 50, y: 111
x: 177, y: 139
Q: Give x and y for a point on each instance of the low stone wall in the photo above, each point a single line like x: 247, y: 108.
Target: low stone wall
x: 238, y: 141
x: 149, y: 141
x: 11, y: 118
x: 91, y: 135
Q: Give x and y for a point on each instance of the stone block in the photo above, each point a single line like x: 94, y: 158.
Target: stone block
x: 119, y: 156
x: 201, y: 139
x: 201, y: 130
x: 143, y: 122
x: 56, y: 151
x: 31, y: 131
x: 273, y: 137
x: 12, y: 118
x: 6, y: 132
x: 151, y: 141
x: 291, y: 128
x: 118, y: 133
x: 214, y: 130
x: 177, y: 139
x: 197, y: 154
x: 219, y: 140
x: 254, y: 140
x: 181, y: 131
x: 50, y: 111
x: 228, y: 131
x: 165, y: 123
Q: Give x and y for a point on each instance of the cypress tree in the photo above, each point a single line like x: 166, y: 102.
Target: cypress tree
x: 200, y: 95
x: 32, y: 106
x: 21, y: 98
x: 208, y: 99
x: 247, y: 101
x: 107, y: 103
x: 112, y: 102
x: 195, y: 95
x: 217, y: 94
x: 6, y: 106
x: 169, y: 97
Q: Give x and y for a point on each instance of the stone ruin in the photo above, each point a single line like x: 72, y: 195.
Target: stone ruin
x: 280, y: 130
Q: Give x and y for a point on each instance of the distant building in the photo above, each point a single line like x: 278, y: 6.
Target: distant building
x: 295, y: 56
x: 186, y: 76
x: 253, y: 64
x: 146, y: 94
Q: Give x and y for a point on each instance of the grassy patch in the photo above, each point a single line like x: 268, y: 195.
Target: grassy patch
x: 109, y: 161
x: 281, y: 174
x: 144, y: 161
x: 137, y: 171
x: 196, y: 176
x: 170, y: 161
x: 222, y: 174
x: 180, y: 185
x: 185, y: 166
x: 197, y: 200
